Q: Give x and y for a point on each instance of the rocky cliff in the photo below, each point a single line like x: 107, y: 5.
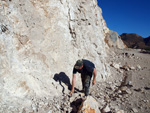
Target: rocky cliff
x: 41, y: 39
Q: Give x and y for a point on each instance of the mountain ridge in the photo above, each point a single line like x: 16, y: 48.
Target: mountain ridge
x: 133, y: 40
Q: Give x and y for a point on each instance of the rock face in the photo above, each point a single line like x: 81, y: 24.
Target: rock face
x: 39, y: 39
x: 114, y: 40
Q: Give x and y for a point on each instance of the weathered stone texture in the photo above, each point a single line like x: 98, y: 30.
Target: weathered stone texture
x: 41, y: 38
x: 90, y: 105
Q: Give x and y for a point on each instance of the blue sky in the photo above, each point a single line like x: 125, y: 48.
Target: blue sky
x: 127, y: 16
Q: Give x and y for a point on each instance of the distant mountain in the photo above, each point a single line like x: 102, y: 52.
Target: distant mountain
x: 147, y: 41
x: 133, y: 40
x: 136, y: 41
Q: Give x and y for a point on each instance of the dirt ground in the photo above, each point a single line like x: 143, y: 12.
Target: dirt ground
x: 128, y: 88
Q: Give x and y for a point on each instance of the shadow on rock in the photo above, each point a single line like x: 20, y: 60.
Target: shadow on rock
x: 76, y: 105
x: 63, y: 78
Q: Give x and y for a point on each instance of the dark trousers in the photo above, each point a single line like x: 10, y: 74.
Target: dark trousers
x: 86, y: 80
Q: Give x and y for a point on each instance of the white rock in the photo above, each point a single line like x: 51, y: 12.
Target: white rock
x: 120, y: 96
x: 90, y: 105
x: 112, y: 87
x: 129, y: 91
x: 117, y: 66
x: 120, y: 111
x: 124, y: 88
x: 106, y: 109
x: 135, y: 110
x: 57, y: 106
x: 138, y: 67
x: 119, y: 91
x: 132, y: 68
x: 129, y: 82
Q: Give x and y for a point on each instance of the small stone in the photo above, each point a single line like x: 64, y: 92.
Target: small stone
x: 138, y: 67
x: 114, y: 95
x: 117, y: 66
x: 128, y: 91
x: 142, y: 90
x: 106, y: 109
x: 65, y: 109
x: 132, y: 68
x: 122, y: 99
x: 120, y: 96
x: 57, y: 106
x: 109, y: 83
x: 130, y: 83
x: 126, y: 95
x: 119, y: 91
x: 123, y: 88
x: 112, y: 87
x: 146, y: 101
x: 134, y: 110
x: 120, y: 111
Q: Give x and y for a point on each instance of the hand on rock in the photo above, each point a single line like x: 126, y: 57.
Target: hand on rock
x: 71, y: 93
x: 93, y: 82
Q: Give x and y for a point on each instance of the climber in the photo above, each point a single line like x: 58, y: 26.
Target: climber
x: 87, y: 69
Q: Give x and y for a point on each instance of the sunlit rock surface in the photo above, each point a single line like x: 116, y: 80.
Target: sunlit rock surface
x: 90, y: 105
x: 39, y: 39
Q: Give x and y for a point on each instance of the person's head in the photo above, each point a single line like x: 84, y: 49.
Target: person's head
x: 79, y: 64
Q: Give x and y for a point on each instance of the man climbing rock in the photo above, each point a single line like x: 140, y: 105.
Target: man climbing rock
x: 87, y: 69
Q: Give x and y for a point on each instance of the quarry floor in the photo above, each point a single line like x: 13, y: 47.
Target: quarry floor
x: 128, y: 88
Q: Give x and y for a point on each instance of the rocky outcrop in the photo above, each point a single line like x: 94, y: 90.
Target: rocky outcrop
x: 90, y: 105
x: 39, y: 39
x: 113, y: 40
